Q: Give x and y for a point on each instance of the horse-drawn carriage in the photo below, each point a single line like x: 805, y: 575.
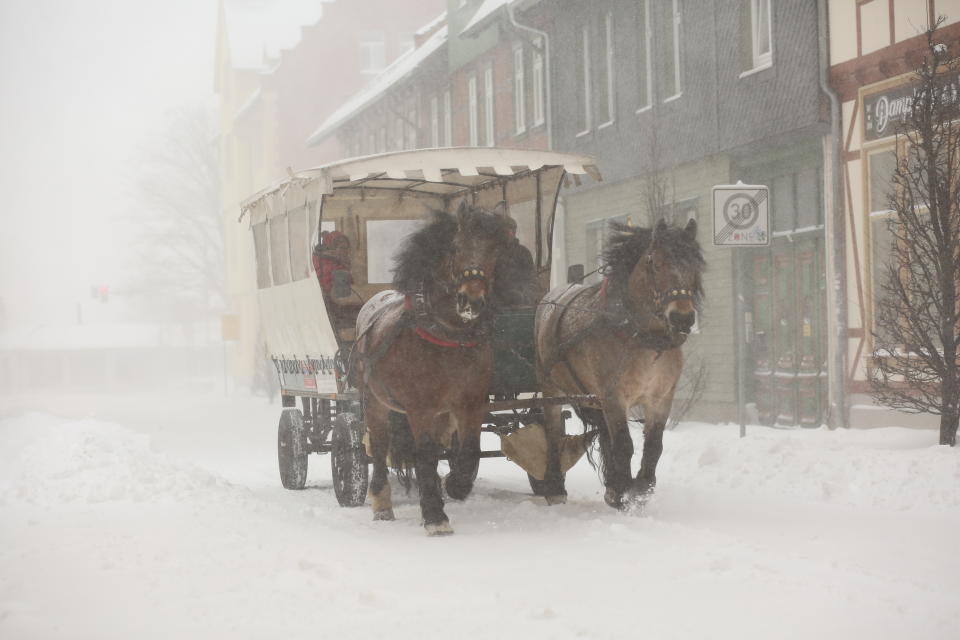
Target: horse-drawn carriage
x: 450, y: 213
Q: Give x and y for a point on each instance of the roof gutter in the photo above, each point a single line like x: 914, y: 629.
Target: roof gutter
x: 546, y: 69
x: 838, y: 366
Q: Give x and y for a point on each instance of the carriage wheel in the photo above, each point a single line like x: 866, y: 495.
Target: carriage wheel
x: 539, y: 487
x: 292, y: 449
x: 348, y: 461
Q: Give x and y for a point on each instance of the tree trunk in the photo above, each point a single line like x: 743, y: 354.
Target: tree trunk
x: 948, y: 428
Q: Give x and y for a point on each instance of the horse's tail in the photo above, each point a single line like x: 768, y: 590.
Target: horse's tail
x: 402, y: 450
x: 593, y: 420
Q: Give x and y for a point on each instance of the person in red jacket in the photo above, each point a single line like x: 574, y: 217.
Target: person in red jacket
x: 332, y: 254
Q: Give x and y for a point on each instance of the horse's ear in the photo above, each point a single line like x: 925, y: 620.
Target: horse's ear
x: 462, y: 212
x: 691, y: 228
x: 659, y: 229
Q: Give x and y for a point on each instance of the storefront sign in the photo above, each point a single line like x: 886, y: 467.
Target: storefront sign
x: 884, y: 111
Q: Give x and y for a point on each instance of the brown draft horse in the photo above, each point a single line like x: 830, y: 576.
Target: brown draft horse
x: 619, y: 341
x: 423, y: 350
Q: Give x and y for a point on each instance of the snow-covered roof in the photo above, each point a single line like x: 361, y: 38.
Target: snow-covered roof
x: 433, y: 24
x: 397, y: 71
x: 103, y: 336
x: 486, y: 9
x: 258, y: 30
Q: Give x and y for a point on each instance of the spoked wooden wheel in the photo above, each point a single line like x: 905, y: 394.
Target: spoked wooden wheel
x: 348, y: 461
x: 292, y: 449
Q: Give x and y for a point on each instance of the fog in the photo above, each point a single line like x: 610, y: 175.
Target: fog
x: 85, y: 86
x: 142, y: 346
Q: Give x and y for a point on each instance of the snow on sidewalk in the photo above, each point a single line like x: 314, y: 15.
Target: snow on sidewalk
x: 112, y: 527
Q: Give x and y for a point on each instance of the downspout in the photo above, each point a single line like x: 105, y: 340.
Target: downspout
x: 558, y: 258
x: 546, y: 69
x: 837, y: 393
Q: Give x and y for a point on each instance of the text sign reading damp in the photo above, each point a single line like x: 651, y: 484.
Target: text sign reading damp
x: 741, y: 215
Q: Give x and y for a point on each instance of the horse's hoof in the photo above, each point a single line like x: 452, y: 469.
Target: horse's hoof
x: 455, y: 490
x: 384, y: 514
x: 552, y: 500
x: 438, y: 529
x: 614, y: 499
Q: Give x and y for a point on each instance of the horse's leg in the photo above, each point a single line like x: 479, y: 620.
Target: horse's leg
x: 435, y: 521
x: 375, y: 415
x: 463, y: 471
x: 617, y: 477
x: 554, y: 491
x: 646, y: 478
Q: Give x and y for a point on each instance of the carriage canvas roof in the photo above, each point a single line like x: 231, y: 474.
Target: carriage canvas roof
x: 442, y: 172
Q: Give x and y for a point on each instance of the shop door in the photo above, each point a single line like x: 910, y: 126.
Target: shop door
x: 788, y: 332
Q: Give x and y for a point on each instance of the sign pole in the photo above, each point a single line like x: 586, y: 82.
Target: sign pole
x: 741, y: 343
x: 741, y: 218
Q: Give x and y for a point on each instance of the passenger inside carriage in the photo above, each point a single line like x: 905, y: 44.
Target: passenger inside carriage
x: 332, y: 262
x: 515, y: 280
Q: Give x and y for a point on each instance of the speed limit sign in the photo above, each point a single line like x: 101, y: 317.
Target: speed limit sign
x: 741, y: 215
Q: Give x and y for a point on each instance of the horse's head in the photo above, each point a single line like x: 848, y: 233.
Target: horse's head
x: 661, y: 269
x: 670, y: 271
x: 452, y: 259
x: 476, y: 244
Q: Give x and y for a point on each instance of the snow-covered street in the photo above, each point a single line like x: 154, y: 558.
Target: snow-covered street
x: 161, y: 516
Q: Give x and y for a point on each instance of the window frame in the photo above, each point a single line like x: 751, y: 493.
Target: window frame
x: 676, y: 23
x: 434, y: 121
x: 584, y: 82
x: 488, y: 107
x: 519, y: 90
x: 472, y: 110
x: 373, y: 49
x: 645, y: 57
x: 447, y: 119
x: 539, y: 110
x: 761, y: 60
x: 608, y: 54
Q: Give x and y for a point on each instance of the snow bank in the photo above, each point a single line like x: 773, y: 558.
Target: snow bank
x: 47, y: 461
x: 891, y: 468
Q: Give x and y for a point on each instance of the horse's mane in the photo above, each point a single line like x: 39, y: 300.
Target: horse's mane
x: 626, y: 244
x: 422, y: 253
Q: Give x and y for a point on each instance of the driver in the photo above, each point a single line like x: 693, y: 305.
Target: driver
x: 515, y: 278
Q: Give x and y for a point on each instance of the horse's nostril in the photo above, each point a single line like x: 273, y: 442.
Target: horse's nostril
x: 682, y: 321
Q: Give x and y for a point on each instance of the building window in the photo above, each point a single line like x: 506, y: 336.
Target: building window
x: 447, y: 120
x: 373, y: 52
x: 434, y: 121
x: 538, y: 110
x: 411, y: 125
x: 488, y: 105
x: 583, y: 80
x: 472, y: 105
x: 605, y: 107
x: 398, y: 134
x: 519, y: 90
x: 880, y: 166
x: 760, y: 33
x: 382, y: 140
x: 672, y: 87
x: 644, y: 57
